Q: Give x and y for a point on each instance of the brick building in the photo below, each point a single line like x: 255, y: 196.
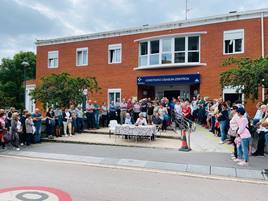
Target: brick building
x: 178, y: 58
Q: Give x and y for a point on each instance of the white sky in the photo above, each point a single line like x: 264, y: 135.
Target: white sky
x: 24, y: 21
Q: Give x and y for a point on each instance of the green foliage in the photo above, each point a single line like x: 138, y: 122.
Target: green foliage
x: 12, y: 79
x: 63, y: 89
x: 247, y: 75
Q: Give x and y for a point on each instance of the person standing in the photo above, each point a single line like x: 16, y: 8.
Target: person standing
x: 244, y: 134
x: 50, y: 122
x: 67, y: 122
x: 104, y: 115
x: 2, y: 128
x: 80, y: 119
x: 23, y: 133
x: 136, y: 110
x: 118, y: 110
x: 37, y: 119
x: 58, y: 121
x: 29, y: 128
x: 74, y: 117
x: 223, y: 117
x: 14, y: 130
x: 97, y: 114
x: 123, y: 112
x: 112, y: 111
x: 90, y: 115
x: 150, y: 112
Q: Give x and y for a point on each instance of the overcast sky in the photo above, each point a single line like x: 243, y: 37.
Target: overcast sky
x: 24, y: 21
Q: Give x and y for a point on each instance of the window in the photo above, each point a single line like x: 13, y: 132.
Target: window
x: 166, y: 51
x: 234, y: 41
x: 179, y: 54
x: 53, y: 59
x: 143, y: 59
x: 193, y: 49
x: 178, y: 50
x: 81, y: 56
x: 154, y: 52
x: 114, y: 53
x: 114, y: 95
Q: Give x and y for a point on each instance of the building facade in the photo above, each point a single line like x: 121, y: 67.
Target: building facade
x: 181, y: 58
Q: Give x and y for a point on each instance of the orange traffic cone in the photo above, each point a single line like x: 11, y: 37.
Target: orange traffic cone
x: 184, y: 145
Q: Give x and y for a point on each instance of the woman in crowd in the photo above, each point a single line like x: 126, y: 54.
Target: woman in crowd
x: 67, y: 122
x: 136, y: 110
x: 123, y: 111
x: 50, y: 122
x: 223, y: 117
x: 104, y: 115
x: 150, y: 112
x: 2, y: 128
x: 128, y: 119
x: 14, y: 130
x: 29, y: 126
x: 112, y: 111
x: 232, y: 132
x: 244, y: 135
x: 163, y: 113
x: 141, y: 121
x: 58, y: 121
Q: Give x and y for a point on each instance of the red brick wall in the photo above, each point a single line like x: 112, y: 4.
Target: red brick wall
x: 123, y: 76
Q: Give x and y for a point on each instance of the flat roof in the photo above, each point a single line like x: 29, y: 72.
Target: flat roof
x: 232, y: 16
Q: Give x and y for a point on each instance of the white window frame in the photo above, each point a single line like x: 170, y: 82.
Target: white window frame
x: 114, y: 90
x: 243, y: 41
x: 115, y: 47
x: 172, y: 51
x: 83, y: 50
x: 56, y: 65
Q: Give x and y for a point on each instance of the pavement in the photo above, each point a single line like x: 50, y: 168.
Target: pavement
x: 203, y: 164
x: 86, y: 183
x: 200, y: 141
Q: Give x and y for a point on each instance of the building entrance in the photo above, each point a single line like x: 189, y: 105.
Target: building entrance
x: 172, y: 94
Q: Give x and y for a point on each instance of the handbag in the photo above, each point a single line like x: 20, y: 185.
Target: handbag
x: 34, y: 129
x: 232, y: 132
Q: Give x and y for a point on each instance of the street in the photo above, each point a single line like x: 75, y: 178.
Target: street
x: 85, y: 183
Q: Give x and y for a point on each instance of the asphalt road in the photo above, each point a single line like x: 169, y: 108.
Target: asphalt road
x: 85, y: 183
x: 159, y: 155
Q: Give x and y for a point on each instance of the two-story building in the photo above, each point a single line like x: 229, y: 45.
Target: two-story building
x: 177, y: 58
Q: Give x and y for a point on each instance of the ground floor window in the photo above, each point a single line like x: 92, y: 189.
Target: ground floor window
x: 231, y: 95
x: 114, y: 95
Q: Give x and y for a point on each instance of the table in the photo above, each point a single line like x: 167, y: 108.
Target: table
x: 136, y: 131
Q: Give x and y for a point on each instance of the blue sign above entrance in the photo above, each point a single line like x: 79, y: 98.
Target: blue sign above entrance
x: 169, y: 79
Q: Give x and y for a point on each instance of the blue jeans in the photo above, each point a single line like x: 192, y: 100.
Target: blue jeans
x: 96, y: 117
x: 80, y: 124
x: 266, y: 140
x: 37, y: 135
x: 223, y: 129
x: 242, y: 149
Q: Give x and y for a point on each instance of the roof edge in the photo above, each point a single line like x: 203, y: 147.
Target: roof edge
x: 158, y: 27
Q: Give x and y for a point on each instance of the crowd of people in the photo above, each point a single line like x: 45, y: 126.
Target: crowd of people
x: 228, y: 122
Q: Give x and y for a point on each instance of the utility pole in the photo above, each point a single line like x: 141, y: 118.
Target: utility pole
x: 186, y: 9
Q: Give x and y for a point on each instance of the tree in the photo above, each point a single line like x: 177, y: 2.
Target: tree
x: 12, y: 78
x: 247, y: 75
x: 63, y: 89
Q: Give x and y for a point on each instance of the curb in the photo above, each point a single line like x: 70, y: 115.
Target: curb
x: 104, y: 144
x: 144, y: 169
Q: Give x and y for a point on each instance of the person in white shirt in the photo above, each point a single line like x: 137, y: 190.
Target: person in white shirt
x: 128, y: 119
x: 141, y: 121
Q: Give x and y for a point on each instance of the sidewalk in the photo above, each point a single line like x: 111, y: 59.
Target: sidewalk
x: 201, y: 140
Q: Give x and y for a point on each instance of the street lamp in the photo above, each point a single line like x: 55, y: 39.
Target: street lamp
x: 25, y: 64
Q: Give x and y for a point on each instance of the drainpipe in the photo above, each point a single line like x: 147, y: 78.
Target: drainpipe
x: 262, y: 48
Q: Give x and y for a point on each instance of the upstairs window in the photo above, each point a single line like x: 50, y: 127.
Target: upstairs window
x: 82, y: 56
x: 53, y: 59
x: 165, y: 51
x: 234, y: 41
x: 115, y: 53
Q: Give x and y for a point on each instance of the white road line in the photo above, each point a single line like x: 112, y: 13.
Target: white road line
x: 186, y: 174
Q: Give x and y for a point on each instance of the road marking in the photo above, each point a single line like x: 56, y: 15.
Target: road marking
x: 186, y: 174
x: 33, y: 193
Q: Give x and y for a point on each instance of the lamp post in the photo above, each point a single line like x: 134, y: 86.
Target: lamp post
x: 25, y: 64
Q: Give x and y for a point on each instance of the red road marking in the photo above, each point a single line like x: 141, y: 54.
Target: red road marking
x: 63, y: 196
